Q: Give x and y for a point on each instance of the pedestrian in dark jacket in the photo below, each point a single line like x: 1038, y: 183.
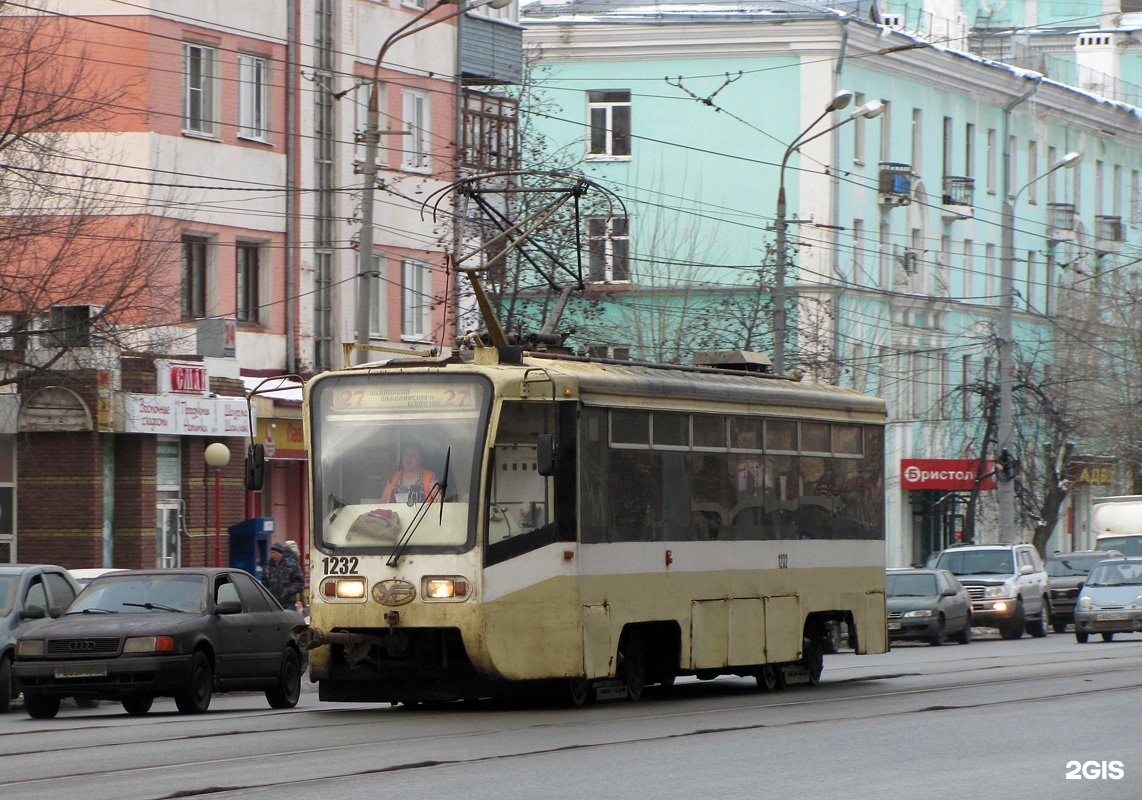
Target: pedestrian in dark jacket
x: 282, y: 576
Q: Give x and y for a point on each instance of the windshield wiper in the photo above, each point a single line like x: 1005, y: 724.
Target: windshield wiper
x: 437, y: 490
x: 92, y: 611
x: 155, y: 607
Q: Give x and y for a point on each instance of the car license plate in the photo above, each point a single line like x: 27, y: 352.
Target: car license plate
x: 894, y: 626
x: 1113, y: 616
x: 81, y: 671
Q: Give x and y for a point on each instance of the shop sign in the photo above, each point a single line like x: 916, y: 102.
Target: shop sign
x: 282, y: 438
x: 1090, y: 474
x: 182, y: 377
x: 206, y: 416
x: 948, y: 474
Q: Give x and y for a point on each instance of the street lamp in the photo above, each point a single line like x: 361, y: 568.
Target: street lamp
x: 1006, y: 457
x: 217, y: 456
x: 841, y: 99
x: 365, y: 274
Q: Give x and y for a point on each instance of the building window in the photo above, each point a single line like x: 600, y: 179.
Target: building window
x: 416, y: 299
x: 194, y: 276
x: 992, y: 159
x: 198, y: 88
x: 1032, y: 173
x: 969, y: 151
x: 608, y: 242
x: 377, y: 316
x: 249, y: 283
x: 886, y: 131
x: 415, y: 119
x: 917, y: 141
x: 491, y: 132
x: 617, y: 352
x: 609, y: 115
x: 253, y: 97
x: 858, y: 131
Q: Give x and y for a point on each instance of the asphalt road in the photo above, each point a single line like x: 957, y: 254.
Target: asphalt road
x: 992, y: 719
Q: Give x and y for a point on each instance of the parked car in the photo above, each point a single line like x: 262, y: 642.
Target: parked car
x: 30, y: 594
x: 1007, y: 584
x: 86, y: 576
x: 1066, y: 573
x: 135, y: 635
x: 1111, y: 600
x: 927, y: 604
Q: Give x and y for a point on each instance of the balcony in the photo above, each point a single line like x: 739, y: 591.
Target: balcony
x: 1060, y: 221
x: 1109, y: 233
x: 895, y: 184
x: 959, y: 197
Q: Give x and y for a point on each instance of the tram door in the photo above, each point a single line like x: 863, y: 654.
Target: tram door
x: 168, y: 523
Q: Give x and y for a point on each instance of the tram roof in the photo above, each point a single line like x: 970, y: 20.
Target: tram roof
x: 701, y: 383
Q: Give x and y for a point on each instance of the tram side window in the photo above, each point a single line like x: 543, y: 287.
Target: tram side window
x: 521, y: 498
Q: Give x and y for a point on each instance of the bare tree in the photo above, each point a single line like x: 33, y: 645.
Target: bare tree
x: 80, y: 265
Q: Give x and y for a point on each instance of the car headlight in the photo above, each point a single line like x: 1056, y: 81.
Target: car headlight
x: 997, y: 591
x: 1085, y: 603
x: 445, y: 587
x: 919, y: 612
x: 148, y: 644
x: 30, y: 648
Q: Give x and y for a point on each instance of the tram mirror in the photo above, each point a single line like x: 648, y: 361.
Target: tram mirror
x: 545, y: 454
x: 255, y: 467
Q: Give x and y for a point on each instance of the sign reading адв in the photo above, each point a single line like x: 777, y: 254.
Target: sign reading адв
x: 954, y: 474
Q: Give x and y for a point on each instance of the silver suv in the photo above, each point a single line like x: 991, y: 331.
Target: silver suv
x: 1007, y: 584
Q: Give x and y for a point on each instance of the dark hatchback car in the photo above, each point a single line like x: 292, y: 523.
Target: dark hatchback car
x: 135, y: 635
x: 1066, y: 573
x: 30, y: 594
x: 927, y: 605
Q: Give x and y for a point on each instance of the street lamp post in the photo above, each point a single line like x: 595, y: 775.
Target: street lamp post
x: 840, y: 100
x: 365, y: 273
x: 1005, y: 486
x: 217, y: 456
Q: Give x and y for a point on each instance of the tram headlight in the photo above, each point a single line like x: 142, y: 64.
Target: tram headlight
x: 450, y: 587
x: 343, y: 588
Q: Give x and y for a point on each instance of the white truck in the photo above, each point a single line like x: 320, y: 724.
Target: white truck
x: 1117, y: 523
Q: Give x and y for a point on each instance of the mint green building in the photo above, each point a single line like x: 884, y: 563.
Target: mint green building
x: 898, y: 153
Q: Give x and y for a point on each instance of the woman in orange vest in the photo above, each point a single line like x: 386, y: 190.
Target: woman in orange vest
x: 412, y: 482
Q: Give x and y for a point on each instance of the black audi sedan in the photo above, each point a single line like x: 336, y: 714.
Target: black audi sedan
x: 185, y: 633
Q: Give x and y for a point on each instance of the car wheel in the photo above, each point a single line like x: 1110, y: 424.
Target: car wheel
x: 1081, y: 636
x: 41, y: 706
x: 964, y: 636
x: 138, y: 705
x: 288, y: 689
x: 938, y: 639
x: 1038, y: 626
x: 7, y: 689
x: 1014, y: 627
x: 1059, y: 627
x: 194, y: 698
x: 1108, y: 637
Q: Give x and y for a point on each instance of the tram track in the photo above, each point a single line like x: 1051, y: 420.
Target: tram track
x: 648, y: 718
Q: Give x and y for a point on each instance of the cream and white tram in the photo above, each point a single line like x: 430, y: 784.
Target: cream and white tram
x: 592, y: 526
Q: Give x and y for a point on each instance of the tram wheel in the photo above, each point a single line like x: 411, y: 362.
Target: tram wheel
x: 767, y: 680
x: 580, y: 692
x: 632, y: 657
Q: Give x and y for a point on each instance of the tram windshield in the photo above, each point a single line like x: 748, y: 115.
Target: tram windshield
x: 395, y: 457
